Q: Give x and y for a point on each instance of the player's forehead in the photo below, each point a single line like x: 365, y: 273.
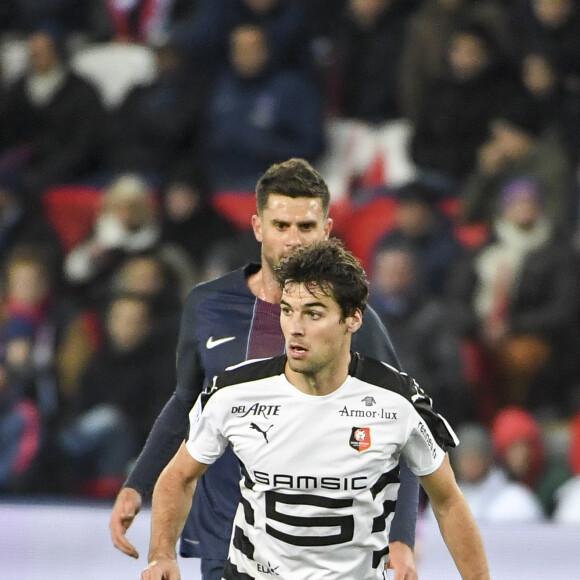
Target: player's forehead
x: 300, y: 295
x: 283, y: 208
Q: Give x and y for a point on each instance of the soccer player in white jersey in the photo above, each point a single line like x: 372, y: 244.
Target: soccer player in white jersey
x: 318, y: 432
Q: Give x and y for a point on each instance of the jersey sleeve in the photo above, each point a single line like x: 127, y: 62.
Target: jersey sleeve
x: 206, y: 441
x: 430, y: 436
x: 190, y: 372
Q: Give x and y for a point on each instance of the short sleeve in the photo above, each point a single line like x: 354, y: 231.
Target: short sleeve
x: 430, y: 435
x: 206, y: 442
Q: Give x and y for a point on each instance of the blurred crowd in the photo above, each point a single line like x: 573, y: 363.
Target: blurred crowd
x: 109, y: 215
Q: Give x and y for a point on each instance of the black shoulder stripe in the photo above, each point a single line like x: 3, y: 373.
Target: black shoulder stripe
x: 377, y: 373
x: 251, y: 371
x: 243, y: 373
x: 382, y: 375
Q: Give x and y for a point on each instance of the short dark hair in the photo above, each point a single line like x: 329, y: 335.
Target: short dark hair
x: 293, y: 178
x: 327, y: 266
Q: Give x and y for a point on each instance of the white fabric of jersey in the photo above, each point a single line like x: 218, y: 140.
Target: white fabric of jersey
x: 309, y: 509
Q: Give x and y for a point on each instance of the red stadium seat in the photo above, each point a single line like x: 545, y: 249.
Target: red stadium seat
x: 366, y: 225
x: 71, y: 210
x: 236, y: 206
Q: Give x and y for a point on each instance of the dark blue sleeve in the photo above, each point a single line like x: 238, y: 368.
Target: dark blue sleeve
x: 167, y: 434
x: 373, y: 340
x: 172, y: 424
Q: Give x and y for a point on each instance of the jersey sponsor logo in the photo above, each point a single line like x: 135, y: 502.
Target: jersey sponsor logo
x: 368, y: 414
x: 268, y: 568
x: 290, y: 481
x: 257, y: 409
x: 368, y: 401
x: 260, y: 430
x: 360, y: 438
x: 212, y: 343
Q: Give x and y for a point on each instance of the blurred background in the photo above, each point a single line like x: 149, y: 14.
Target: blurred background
x: 132, y: 134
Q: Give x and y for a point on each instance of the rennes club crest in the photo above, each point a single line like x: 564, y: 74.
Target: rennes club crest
x: 360, y: 438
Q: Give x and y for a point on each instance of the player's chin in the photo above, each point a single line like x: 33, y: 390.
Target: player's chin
x: 297, y: 364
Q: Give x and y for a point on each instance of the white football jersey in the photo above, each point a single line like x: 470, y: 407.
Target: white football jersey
x: 319, y: 475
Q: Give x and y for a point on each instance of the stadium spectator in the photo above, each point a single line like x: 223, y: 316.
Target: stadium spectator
x: 518, y: 145
x: 555, y: 100
x: 367, y: 44
x: 148, y: 276
x: 452, y: 122
x: 128, y: 224
x: 491, y: 494
x: 517, y: 297
x: 64, y: 336
x: 205, y: 35
x: 418, y: 324
x: 22, y: 429
x: 420, y: 224
x: 23, y: 221
x: 122, y: 389
x: 51, y: 119
x: 188, y: 218
x: 520, y: 447
x: 427, y: 38
x: 258, y: 114
x: 156, y: 123
x: 552, y: 25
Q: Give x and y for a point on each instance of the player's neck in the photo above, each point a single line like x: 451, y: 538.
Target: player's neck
x: 265, y: 286
x: 322, y: 383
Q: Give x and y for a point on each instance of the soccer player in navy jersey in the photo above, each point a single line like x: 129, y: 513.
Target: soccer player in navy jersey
x: 318, y: 463
x: 232, y: 319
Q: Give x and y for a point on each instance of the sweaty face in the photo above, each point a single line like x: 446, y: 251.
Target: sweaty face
x: 317, y: 338
x: 287, y: 223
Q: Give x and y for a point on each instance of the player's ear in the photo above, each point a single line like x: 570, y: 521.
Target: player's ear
x: 328, y: 227
x: 353, y: 323
x: 257, y: 227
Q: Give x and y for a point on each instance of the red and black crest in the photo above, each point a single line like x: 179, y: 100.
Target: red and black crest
x: 360, y: 438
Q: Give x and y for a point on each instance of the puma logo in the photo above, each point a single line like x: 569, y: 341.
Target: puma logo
x: 264, y: 433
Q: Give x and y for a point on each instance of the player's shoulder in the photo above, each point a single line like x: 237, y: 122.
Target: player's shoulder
x: 244, y: 373
x: 250, y: 370
x: 233, y: 283
x: 381, y: 375
x: 229, y: 281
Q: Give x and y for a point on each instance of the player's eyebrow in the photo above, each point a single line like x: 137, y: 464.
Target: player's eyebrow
x: 305, y: 306
x: 300, y: 223
x: 314, y: 305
